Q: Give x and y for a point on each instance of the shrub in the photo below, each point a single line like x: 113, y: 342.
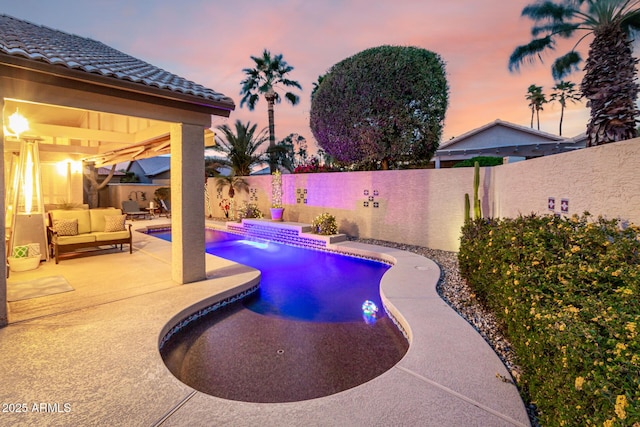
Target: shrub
x: 162, y: 193
x: 566, y: 291
x: 385, y: 104
x: 482, y: 162
x: 249, y: 210
x: 312, y: 166
x: 325, y: 224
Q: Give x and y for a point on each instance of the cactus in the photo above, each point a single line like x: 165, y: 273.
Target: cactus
x: 467, y: 208
x: 477, y: 209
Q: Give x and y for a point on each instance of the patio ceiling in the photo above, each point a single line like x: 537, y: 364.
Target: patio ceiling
x: 86, y: 100
x: 92, y: 136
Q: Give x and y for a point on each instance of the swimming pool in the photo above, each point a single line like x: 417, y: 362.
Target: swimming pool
x: 311, y: 329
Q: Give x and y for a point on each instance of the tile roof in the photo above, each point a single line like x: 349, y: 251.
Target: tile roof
x: 155, y: 165
x: 24, y: 39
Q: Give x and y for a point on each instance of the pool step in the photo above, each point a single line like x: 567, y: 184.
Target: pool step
x: 294, y: 233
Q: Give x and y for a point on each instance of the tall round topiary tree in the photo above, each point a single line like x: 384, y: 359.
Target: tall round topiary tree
x: 383, y: 105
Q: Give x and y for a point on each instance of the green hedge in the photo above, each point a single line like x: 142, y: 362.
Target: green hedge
x: 482, y: 161
x: 566, y: 291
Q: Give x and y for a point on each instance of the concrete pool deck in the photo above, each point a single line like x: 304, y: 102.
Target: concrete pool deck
x: 87, y: 358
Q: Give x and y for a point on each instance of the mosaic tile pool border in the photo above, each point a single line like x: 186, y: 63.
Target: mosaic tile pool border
x: 239, y: 231
x: 323, y: 248
x: 396, y: 322
x: 203, y: 312
x: 275, y: 234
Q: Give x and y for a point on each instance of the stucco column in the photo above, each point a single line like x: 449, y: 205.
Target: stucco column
x: 187, y: 203
x: 3, y: 250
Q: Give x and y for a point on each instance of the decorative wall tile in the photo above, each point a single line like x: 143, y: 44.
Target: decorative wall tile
x: 371, y: 199
x: 301, y: 195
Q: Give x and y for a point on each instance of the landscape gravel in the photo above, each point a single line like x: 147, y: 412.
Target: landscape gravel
x: 455, y: 291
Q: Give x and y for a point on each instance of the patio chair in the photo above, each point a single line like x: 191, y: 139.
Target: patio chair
x: 132, y: 210
x: 165, y: 208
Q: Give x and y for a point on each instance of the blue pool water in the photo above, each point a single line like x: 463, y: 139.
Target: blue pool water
x: 308, y: 333
x: 303, y: 284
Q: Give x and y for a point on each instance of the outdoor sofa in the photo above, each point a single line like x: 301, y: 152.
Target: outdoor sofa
x: 73, y: 229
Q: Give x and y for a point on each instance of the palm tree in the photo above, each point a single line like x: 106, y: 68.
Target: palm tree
x: 233, y: 182
x: 268, y: 74
x: 610, y: 70
x: 290, y: 152
x: 531, y: 94
x: 536, y: 100
x: 563, y: 92
x: 211, y: 166
x: 241, y: 147
x: 316, y: 85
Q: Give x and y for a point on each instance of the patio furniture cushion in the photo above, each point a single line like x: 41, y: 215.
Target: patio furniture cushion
x: 65, y: 227
x: 102, y: 236
x: 82, y: 215
x: 97, y: 217
x: 79, y: 238
x: 94, y: 222
x: 114, y: 223
x: 132, y: 209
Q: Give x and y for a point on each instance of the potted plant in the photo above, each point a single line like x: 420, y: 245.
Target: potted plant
x: 276, y: 196
x: 249, y: 210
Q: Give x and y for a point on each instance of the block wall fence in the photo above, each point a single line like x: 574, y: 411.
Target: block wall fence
x: 425, y: 207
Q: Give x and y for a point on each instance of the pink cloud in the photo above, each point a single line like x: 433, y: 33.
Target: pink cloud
x: 211, y: 42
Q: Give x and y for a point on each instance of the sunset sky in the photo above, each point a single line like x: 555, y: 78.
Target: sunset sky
x: 211, y: 41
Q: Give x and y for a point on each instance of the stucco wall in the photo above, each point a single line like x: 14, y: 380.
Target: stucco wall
x: 603, y: 180
x: 426, y: 206
x: 421, y: 207
x: 117, y: 193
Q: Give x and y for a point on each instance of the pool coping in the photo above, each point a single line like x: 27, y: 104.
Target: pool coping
x: 105, y: 362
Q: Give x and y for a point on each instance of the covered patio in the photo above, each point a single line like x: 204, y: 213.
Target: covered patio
x: 86, y: 102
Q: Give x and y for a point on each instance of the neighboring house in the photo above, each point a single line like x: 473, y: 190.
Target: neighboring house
x: 153, y: 170
x: 103, y: 173
x: 503, y: 139
x: 263, y: 170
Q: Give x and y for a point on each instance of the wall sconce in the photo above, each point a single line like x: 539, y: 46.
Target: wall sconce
x: 18, y: 124
x: 68, y: 167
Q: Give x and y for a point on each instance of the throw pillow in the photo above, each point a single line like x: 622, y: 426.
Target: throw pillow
x: 34, y: 249
x: 65, y: 227
x: 21, y: 251
x: 114, y: 222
